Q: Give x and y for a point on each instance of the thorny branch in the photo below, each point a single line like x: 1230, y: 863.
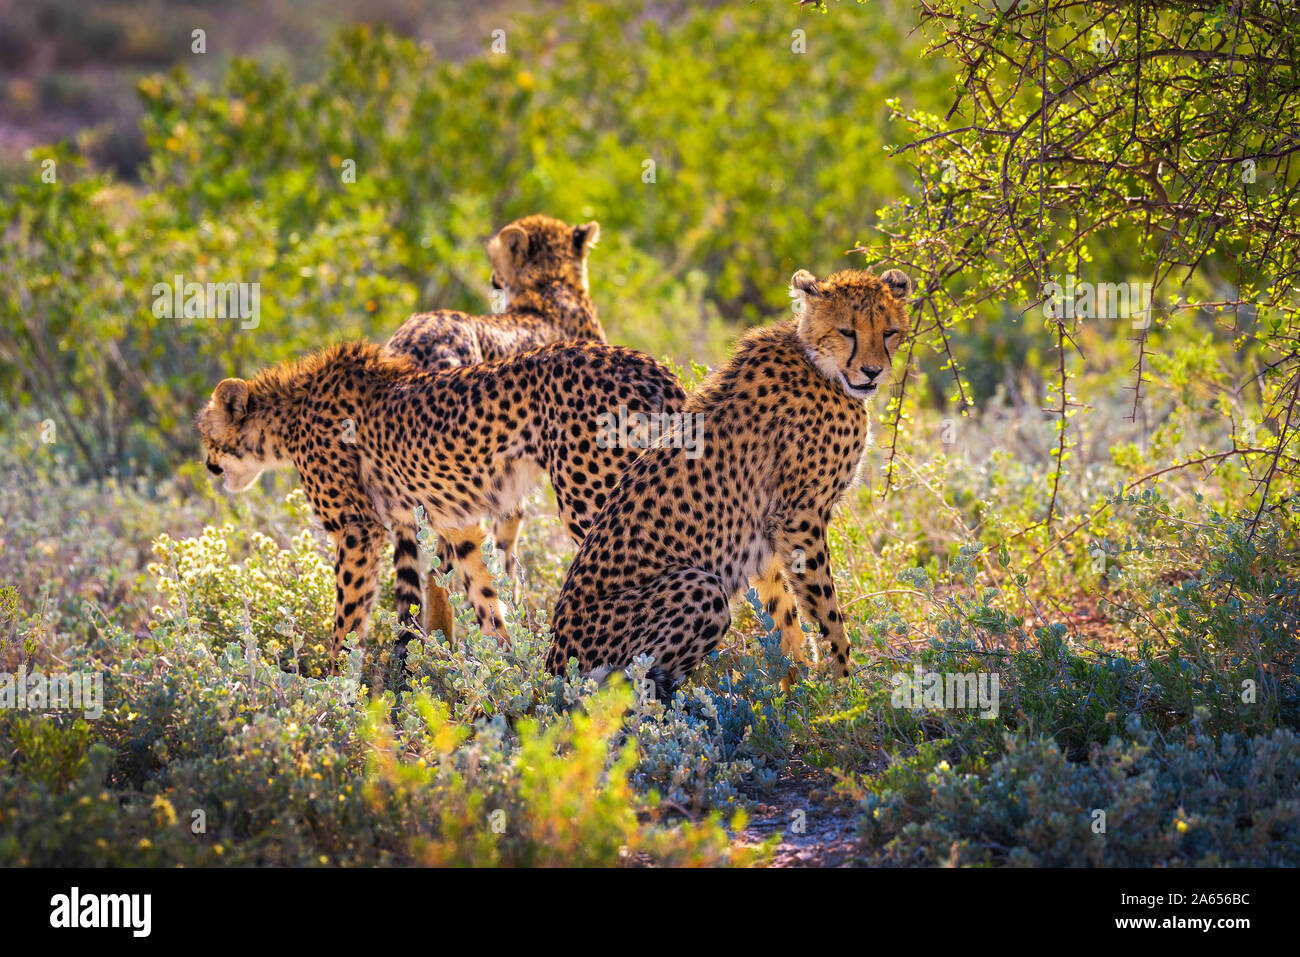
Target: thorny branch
x: 1166, y: 128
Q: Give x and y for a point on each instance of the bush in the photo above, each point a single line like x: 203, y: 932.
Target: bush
x: 221, y: 742
x: 245, y: 184
x: 1207, y: 800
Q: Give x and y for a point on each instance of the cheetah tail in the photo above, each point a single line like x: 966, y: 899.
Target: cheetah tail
x: 664, y: 685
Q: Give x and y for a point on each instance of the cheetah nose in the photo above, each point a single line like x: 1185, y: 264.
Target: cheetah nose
x: 872, y: 371
x: 213, y: 467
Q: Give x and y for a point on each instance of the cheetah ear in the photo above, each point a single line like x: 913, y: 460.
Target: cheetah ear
x: 585, y: 236
x: 231, y: 398
x: 512, y: 241
x: 804, y: 286
x: 898, y: 282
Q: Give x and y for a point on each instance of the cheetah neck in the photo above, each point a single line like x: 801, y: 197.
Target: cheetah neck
x: 833, y: 375
x: 274, y: 422
x: 565, y: 306
x: 263, y: 438
x: 288, y: 402
x: 801, y: 332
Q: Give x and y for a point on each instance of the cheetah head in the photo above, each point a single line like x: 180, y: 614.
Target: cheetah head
x: 536, y: 250
x: 237, y: 446
x: 851, y: 324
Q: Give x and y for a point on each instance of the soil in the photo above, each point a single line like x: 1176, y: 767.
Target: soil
x: 817, y: 830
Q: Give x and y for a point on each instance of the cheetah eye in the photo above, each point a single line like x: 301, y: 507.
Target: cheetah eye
x: 891, y: 334
x: 849, y: 333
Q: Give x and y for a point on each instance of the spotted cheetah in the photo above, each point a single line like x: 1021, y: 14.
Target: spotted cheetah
x: 373, y: 436
x: 539, y: 269
x: 539, y: 266
x: 786, y: 425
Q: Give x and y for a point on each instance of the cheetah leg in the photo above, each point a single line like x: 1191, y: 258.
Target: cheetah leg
x: 814, y: 586
x: 356, y: 574
x: 774, y: 592
x: 440, y: 616
x: 406, y: 566
x: 436, y: 610
x: 506, y: 533
x: 694, y: 613
x: 466, y: 545
x: 677, y: 618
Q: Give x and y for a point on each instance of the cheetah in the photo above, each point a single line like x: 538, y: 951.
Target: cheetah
x: 539, y: 269
x: 786, y: 426
x: 539, y: 266
x: 374, y: 437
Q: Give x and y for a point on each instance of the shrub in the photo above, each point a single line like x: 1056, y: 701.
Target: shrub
x: 220, y: 744
x: 1207, y: 800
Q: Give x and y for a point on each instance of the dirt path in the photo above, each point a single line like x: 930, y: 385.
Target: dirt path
x: 817, y: 829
